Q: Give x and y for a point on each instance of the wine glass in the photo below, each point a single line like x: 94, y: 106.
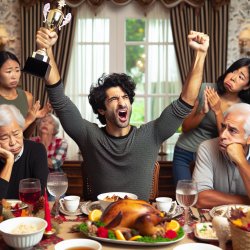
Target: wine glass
x: 57, y: 185
x: 29, y: 192
x: 186, y: 196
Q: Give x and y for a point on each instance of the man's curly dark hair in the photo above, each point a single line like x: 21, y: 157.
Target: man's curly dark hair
x: 97, y: 93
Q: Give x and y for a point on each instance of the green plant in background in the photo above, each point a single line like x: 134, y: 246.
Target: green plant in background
x: 135, y: 32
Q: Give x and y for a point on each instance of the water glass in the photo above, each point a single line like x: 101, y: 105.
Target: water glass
x: 186, y: 196
x: 57, y: 185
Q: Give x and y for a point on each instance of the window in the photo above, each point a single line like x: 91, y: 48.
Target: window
x: 122, y: 39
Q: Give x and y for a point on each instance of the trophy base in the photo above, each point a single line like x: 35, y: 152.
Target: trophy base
x: 36, y: 67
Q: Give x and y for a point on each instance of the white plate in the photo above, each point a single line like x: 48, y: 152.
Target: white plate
x: 135, y: 243
x: 77, y: 212
x: 13, y: 202
x: 204, y: 231
x: 88, y: 206
x: 196, y: 246
x: 224, y: 210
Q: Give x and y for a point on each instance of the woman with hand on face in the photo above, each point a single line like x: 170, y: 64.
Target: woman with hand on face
x: 19, y: 158
x: 10, y: 93
x: 204, y: 122
x: 48, y: 127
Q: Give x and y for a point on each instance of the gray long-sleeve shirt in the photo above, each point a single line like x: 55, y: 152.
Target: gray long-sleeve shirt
x: 125, y: 163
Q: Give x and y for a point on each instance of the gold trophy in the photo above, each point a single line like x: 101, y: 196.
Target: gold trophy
x: 38, y: 63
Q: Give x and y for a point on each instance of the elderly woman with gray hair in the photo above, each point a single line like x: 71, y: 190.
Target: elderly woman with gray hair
x: 19, y: 158
x: 48, y: 128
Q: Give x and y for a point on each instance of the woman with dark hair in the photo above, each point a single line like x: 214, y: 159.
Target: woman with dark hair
x: 10, y: 93
x: 204, y: 122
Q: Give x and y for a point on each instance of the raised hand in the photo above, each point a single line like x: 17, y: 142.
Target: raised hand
x: 44, y: 111
x: 198, y: 41
x: 213, y: 99
x: 45, y: 38
x: 35, y: 112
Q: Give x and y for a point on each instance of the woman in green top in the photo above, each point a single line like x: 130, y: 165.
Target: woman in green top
x: 10, y: 93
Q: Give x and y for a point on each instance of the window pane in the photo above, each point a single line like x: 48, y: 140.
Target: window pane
x: 170, y: 34
x: 135, y: 30
x: 157, y: 30
x: 157, y: 69
x: 137, y: 117
x: 174, y: 81
x: 135, y: 65
x: 93, y: 30
x: 156, y: 105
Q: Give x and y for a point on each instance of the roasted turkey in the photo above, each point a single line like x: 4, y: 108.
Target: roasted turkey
x: 136, y: 214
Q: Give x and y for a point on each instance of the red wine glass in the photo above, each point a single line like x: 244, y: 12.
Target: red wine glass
x: 29, y: 192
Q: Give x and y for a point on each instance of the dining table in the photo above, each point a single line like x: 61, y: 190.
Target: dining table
x: 67, y: 223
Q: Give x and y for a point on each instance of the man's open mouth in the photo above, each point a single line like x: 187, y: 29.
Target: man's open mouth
x: 123, y: 115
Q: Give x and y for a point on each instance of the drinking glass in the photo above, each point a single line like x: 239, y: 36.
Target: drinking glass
x: 29, y: 192
x: 57, y: 185
x: 186, y: 196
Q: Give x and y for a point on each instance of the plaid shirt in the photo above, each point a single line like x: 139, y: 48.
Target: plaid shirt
x: 56, y: 151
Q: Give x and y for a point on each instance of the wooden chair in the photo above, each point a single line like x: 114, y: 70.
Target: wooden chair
x: 155, y: 182
x: 88, y: 191
x: 87, y: 186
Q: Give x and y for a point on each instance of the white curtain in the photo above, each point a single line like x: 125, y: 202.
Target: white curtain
x: 89, y: 60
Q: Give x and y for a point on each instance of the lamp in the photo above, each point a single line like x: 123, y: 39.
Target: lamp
x: 244, y: 40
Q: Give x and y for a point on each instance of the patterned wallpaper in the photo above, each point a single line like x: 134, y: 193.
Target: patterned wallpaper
x: 239, y: 14
x: 10, y: 19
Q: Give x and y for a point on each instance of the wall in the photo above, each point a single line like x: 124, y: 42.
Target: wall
x: 10, y: 18
x: 238, y: 14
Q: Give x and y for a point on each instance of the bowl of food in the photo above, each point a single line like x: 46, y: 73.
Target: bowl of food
x: 78, y: 244
x: 107, y: 198
x: 23, y: 232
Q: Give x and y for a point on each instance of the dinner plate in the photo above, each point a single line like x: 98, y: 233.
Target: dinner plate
x: 224, y: 210
x: 205, y: 232
x: 77, y: 212
x: 13, y: 202
x: 88, y: 206
x: 135, y: 243
x: 196, y: 246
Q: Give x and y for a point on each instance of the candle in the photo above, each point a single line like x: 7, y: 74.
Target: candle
x: 47, y: 215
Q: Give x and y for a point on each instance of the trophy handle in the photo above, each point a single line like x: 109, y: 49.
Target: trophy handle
x: 46, y: 9
x: 66, y: 20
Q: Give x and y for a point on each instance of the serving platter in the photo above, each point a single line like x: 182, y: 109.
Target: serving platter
x: 224, y: 210
x: 134, y: 243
